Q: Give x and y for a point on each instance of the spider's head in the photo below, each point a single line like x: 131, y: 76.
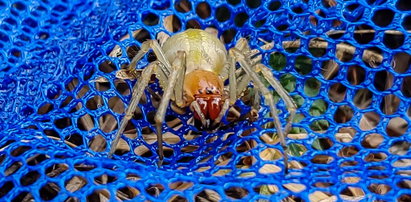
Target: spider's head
x: 204, y: 89
x: 210, y: 104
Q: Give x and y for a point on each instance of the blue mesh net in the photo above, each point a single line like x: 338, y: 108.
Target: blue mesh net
x: 345, y: 63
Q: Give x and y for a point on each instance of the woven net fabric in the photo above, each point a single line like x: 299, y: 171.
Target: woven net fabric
x: 345, y: 63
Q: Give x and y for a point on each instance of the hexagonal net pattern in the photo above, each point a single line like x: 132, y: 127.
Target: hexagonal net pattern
x: 345, y: 64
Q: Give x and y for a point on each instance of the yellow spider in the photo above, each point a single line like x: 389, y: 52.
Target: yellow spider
x: 191, y: 67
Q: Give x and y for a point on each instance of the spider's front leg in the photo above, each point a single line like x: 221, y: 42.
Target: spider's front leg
x: 161, y: 67
x: 176, y: 71
x: 250, y: 71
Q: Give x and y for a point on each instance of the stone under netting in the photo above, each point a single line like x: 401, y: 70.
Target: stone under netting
x: 346, y: 64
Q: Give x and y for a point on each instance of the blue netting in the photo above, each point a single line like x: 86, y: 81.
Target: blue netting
x: 346, y: 64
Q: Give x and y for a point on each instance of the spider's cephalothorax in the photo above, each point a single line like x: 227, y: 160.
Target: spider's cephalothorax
x: 192, y: 66
x: 206, y: 89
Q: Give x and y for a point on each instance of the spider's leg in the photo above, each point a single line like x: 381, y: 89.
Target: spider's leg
x: 179, y: 87
x: 138, y: 90
x: 241, y: 59
x: 161, y: 111
x: 291, y: 106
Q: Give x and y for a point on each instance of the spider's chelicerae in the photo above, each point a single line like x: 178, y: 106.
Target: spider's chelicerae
x: 191, y: 67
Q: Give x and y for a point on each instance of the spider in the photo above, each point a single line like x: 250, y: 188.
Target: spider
x: 191, y: 67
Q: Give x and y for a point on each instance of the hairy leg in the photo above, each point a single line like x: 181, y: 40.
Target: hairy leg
x: 241, y: 59
x: 161, y: 112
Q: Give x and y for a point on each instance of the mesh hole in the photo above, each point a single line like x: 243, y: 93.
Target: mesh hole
x: 5, y: 188
x: 399, y: 148
x: 182, y: 6
x: 312, y: 87
x: 75, y: 183
x: 229, y: 35
x: 253, y: 3
x: 343, y: 114
x: 222, y: 14
x: 23, y: 196
x: 337, y: 92
x: 29, y: 178
x: 329, y: 69
x: 375, y: 157
x: 107, y: 66
x: 380, y: 189
x: 348, y: 151
x: 369, y: 121
x: 346, y: 55
x: 270, y: 154
x: 133, y: 177
x: 98, y: 143
x: 372, y: 140
x: 406, y: 23
x: 94, y: 103
x: 99, y: 195
x: 266, y: 189
x: 322, y: 144
x: 383, y: 17
x: 180, y: 185
x: 316, y: 51
x: 274, y: 5
x: 85, y: 122
x: 107, y: 123
x: 236, y: 192
x: 83, y: 91
x: 322, y: 159
x: 45, y: 108
x: 66, y: 102
x: 303, y: 64
x: 363, y: 98
x: 36, y: 159
x: 405, y: 184
x: 172, y: 23
x: 240, y: 19
x: 20, y: 150
x: 318, y: 108
x: 104, y: 179
x: 122, y: 87
x: 49, y: 191
x: 246, y: 146
x: 364, y: 37
x: 193, y: 24
x: 154, y: 189
x: 143, y: 151
x: 74, y: 140
x: 56, y: 169
x: 127, y: 193
x: 116, y: 104
x: 406, y: 86
x: 62, y: 123
x: 393, y: 41
x: 355, y: 75
x: 401, y: 62
x: 397, y: 127
x: 383, y: 80
x: 390, y: 104
x: 84, y: 167
x: 207, y: 195
x: 150, y: 19
x: 352, y: 193
x: 122, y: 147
x: 269, y: 169
x: 203, y: 10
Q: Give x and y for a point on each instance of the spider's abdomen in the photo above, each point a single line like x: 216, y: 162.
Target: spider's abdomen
x: 203, y: 50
